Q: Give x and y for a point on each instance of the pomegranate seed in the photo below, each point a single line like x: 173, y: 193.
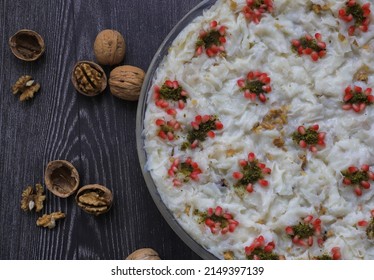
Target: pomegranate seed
x: 213, y: 24
x: 347, y: 107
x: 362, y: 223
x: 352, y: 169
x: 250, y: 76
x: 241, y: 83
x: 351, y: 30
x: 268, y: 248
x: 308, y: 51
x: 219, y: 125
x: 342, y: 12
x: 365, y: 184
x: 266, y: 170
x: 368, y: 91
x: 225, y: 230
x: 371, y: 98
x: 336, y: 255
x: 209, y: 52
x: 365, y: 167
x: 227, y: 216
x: 242, y: 162
x: 318, y: 36
x: 266, y: 88
x: 205, y: 118
x: 170, y: 136
x: 222, y: 31
x: 249, y: 188
x: 308, y: 219
x: 301, y: 130
x: 262, y: 97
x: 261, y: 165
x: 371, y: 175
x: 195, y: 125
x: 315, y: 127
x: 313, y: 149
x: 308, y: 37
x: 263, y: 183
x: 310, y: 241
x: 366, y: 6
x: 358, y: 191
x: 238, y: 175
x: 251, y: 157
x: 160, y: 122
x: 194, y: 144
x: 358, y: 89
x: 171, y: 112
x: 199, y: 51
x: 194, y: 176
x: 320, y: 242
x: 314, y: 56
x: 211, y: 134
x: 289, y: 230
x: 372, y: 213
x: 351, y: 3
x: 347, y: 97
x: 321, y: 135
x: 181, y: 104
x: 232, y: 227
x: 362, y: 106
x: 295, y: 43
x: 209, y: 222
x: 162, y: 135
x: 322, y: 54
x: 222, y: 40
x: 210, y: 211
x: 177, y: 183
x: 218, y: 211
x: 346, y: 181
x: 303, y: 144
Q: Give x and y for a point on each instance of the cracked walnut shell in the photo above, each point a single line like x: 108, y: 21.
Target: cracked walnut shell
x: 49, y: 220
x: 109, y: 47
x: 27, y: 45
x: 94, y: 199
x: 126, y: 82
x: 33, y: 198
x: 61, y: 178
x: 26, y: 87
x: 88, y: 78
x: 144, y: 254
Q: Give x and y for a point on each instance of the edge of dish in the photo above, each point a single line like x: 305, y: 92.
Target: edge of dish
x: 142, y: 105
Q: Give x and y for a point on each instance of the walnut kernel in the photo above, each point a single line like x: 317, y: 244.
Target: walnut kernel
x: 109, y: 47
x: 126, y: 81
x: 144, y: 254
x: 61, y: 178
x: 94, y: 199
x: 33, y: 198
x: 27, y: 45
x: 88, y: 78
x: 26, y: 87
x: 49, y: 220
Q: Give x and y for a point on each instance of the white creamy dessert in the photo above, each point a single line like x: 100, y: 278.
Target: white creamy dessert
x: 305, y: 92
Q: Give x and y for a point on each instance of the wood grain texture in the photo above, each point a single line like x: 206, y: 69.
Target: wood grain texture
x: 96, y: 134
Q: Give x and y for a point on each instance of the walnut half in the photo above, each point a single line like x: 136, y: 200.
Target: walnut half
x: 33, y: 198
x: 49, y: 220
x: 94, y: 199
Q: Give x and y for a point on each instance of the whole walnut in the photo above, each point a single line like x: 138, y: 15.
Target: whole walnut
x: 144, y: 254
x: 126, y: 81
x: 109, y: 47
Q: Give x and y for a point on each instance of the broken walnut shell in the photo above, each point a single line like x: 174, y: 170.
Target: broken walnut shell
x: 61, y: 178
x: 126, y: 82
x: 89, y: 78
x: 109, y: 47
x: 94, y: 199
x: 144, y: 254
x: 27, y: 45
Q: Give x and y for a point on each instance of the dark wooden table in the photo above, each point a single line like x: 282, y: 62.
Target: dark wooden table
x: 96, y: 134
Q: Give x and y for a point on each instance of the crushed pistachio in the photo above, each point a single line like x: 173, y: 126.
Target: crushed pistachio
x: 303, y: 230
x: 357, y: 13
x: 262, y: 255
x: 370, y: 230
x: 358, y: 98
x: 323, y: 257
x: 210, y: 39
x: 251, y: 174
x: 174, y: 94
x: 201, y: 133
x: 356, y: 177
x: 310, y: 136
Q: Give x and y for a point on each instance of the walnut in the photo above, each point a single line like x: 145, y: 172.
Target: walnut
x: 49, y: 220
x: 61, y: 178
x: 126, y: 82
x: 26, y: 87
x: 109, y: 47
x: 88, y: 78
x: 144, y: 254
x: 228, y: 255
x: 27, y: 45
x: 362, y: 74
x: 320, y: 8
x: 33, y: 198
x: 278, y: 142
x: 94, y: 199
